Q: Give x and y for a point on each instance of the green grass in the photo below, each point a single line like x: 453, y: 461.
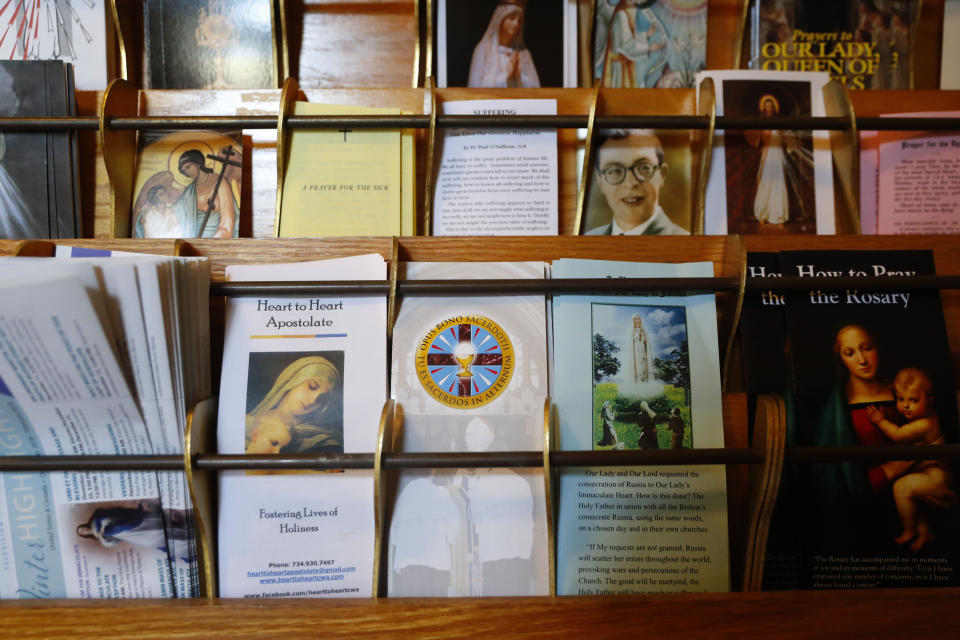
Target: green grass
x: 627, y: 431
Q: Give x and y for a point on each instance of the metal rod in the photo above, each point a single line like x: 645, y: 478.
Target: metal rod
x: 907, y: 124
x: 513, y: 459
x: 147, y: 123
x: 91, y: 463
x: 566, y: 286
x: 329, y: 461
x: 655, y: 457
x: 154, y: 123
x: 440, y: 460
x: 478, y: 287
x: 83, y: 123
x: 950, y: 452
x: 546, y: 122
x: 583, y: 285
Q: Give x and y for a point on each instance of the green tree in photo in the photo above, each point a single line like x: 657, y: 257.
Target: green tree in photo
x: 674, y: 369
x: 604, y: 361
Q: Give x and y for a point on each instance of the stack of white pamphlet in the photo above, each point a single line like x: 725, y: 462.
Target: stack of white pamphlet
x: 301, y: 375
x: 470, y: 374
x: 93, y: 364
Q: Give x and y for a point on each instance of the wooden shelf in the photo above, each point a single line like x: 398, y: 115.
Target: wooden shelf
x: 376, y: 38
x: 919, y: 613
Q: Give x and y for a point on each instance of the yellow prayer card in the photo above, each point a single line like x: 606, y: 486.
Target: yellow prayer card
x: 408, y: 196
x: 342, y: 182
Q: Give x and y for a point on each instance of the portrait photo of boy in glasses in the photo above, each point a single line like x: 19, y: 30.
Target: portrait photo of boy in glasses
x: 639, y: 185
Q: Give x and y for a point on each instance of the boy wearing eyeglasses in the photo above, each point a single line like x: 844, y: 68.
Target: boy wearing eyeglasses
x: 630, y: 171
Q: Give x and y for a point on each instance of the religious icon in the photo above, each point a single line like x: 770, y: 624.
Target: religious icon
x: 187, y: 186
x: 294, y: 402
x: 641, y: 351
x: 209, y: 44
x: 70, y: 30
x: 649, y: 43
x: 641, y: 377
x: 770, y: 172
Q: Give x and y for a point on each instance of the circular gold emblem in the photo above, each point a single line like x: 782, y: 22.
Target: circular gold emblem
x: 465, y: 362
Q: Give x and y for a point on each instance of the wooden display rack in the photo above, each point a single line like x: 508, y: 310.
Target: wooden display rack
x: 382, y: 53
x: 522, y: 616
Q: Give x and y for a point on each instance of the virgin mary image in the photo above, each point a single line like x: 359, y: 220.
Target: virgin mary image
x: 501, y: 59
x: 299, y: 414
x: 636, y: 46
x: 642, y: 371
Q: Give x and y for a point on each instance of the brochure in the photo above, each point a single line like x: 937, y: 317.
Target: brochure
x: 300, y: 375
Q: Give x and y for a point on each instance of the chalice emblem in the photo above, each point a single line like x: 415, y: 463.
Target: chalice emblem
x: 465, y: 361
x: 464, y: 355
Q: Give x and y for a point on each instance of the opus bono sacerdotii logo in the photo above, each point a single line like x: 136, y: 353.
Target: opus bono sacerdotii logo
x: 465, y: 361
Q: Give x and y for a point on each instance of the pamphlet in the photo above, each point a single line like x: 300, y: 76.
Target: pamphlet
x: 776, y: 181
x: 494, y: 182
x: 918, y: 184
x: 869, y: 367
x: 470, y: 374
x: 73, y: 534
x: 344, y: 182
x: 301, y: 375
x: 638, y: 372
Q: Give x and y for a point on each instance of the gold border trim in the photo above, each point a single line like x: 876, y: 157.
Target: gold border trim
x: 549, y: 491
x: 741, y: 291
x: 764, y: 485
x: 431, y: 158
x: 417, y: 61
x: 378, y: 496
x: 390, y: 418
x: 739, y: 34
x: 392, y: 298
x: 119, y: 152
x: 586, y: 44
x: 121, y: 42
x: 207, y: 585
x: 587, y: 161
x: 279, y: 63
x: 844, y: 147
x: 706, y: 106
x: 428, y: 73
x: 914, y: 31
x: 288, y: 98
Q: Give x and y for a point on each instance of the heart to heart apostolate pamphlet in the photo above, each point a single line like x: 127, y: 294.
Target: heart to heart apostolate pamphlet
x: 301, y: 375
x: 470, y: 374
x: 638, y: 372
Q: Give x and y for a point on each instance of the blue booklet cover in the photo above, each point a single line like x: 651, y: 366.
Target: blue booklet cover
x: 638, y: 372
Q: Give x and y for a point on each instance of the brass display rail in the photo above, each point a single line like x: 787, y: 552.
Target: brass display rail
x: 419, y: 121
x: 486, y: 459
x: 560, y: 286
